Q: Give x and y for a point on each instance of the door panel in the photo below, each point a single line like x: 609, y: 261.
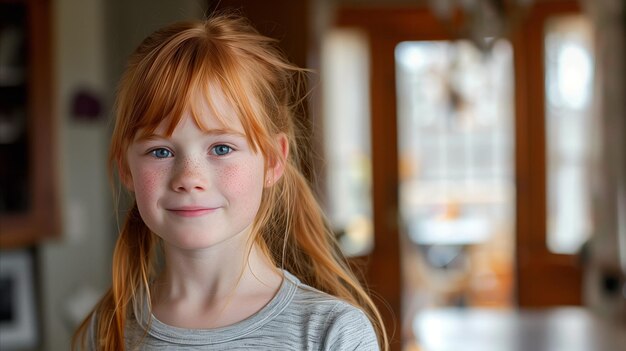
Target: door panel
x: 544, y: 278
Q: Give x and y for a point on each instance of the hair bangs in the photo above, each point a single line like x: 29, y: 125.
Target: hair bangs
x: 198, y: 71
x: 184, y: 66
x: 231, y: 92
x: 167, y: 89
x: 212, y: 98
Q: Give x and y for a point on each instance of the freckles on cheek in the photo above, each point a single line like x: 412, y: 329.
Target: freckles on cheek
x: 240, y: 180
x: 147, y: 182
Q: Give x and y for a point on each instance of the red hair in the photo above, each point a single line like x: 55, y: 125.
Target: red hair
x: 170, y: 67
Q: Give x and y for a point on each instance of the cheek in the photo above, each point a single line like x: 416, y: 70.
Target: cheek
x: 243, y: 181
x: 147, y: 183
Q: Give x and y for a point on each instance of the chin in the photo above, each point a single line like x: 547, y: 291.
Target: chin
x: 193, y: 241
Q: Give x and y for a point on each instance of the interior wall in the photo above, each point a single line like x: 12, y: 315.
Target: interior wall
x: 76, y: 262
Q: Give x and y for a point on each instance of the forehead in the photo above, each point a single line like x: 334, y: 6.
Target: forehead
x: 209, y: 110
x: 213, y: 107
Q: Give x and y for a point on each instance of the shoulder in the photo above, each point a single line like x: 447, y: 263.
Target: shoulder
x: 348, y: 328
x: 335, y: 323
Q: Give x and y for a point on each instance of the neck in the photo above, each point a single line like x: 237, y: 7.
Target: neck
x: 211, y: 274
x: 211, y: 288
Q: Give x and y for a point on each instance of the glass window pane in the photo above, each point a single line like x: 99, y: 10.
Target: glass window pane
x: 455, y: 131
x: 345, y: 86
x: 569, y: 76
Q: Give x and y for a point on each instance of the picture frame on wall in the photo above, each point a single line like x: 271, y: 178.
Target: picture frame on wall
x: 18, y: 322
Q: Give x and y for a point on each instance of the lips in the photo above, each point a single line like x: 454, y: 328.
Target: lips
x: 192, y: 211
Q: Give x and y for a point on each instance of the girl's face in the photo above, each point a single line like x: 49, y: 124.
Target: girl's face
x: 196, y: 189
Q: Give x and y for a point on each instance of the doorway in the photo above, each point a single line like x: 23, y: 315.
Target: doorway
x: 462, y: 164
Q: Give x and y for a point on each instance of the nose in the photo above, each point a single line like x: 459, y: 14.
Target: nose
x: 189, y: 175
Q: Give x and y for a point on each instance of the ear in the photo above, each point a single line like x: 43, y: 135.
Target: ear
x: 125, y: 176
x: 277, y: 165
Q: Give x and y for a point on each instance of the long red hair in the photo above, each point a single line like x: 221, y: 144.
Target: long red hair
x: 166, y: 70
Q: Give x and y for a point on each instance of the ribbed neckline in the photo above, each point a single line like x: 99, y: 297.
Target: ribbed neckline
x: 184, y: 336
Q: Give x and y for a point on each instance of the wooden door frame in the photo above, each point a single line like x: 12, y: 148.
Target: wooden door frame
x: 385, y: 27
x: 385, y: 31
x: 536, y: 285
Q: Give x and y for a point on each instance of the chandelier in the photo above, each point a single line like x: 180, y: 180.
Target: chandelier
x: 480, y: 21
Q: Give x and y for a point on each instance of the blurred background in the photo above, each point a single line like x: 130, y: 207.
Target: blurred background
x: 470, y: 155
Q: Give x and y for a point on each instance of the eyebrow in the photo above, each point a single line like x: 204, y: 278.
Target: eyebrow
x: 211, y: 132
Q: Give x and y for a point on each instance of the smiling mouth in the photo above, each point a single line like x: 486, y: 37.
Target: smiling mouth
x: 192, y: 211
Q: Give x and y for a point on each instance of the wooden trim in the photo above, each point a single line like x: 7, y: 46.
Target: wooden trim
x: 384, y: 268
x: 398, y: 24
x: 543, y: 278
x: 43, y: 219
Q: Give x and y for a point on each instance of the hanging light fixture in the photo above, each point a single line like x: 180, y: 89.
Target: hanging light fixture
x: 481, y: 21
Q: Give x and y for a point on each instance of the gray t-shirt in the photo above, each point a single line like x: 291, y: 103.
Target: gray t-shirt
x: 299, y: 317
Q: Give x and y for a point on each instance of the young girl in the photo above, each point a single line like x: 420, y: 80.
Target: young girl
x: 205, y: 142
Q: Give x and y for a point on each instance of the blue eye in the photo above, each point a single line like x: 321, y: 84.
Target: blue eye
x: 161, y: 153
x: 221, y: 150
